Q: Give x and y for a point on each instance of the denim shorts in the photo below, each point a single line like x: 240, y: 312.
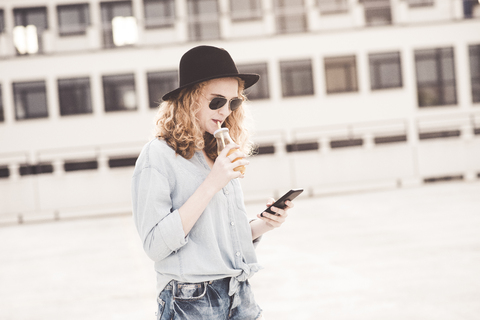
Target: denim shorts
x: 206, y: 300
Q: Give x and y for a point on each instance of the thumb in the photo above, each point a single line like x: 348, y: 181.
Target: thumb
x: 270, y: 201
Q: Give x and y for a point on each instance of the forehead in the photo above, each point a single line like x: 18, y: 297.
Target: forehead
x: 222, y: 86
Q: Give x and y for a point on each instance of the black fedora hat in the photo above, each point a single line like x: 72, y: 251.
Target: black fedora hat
x: 204, y: 63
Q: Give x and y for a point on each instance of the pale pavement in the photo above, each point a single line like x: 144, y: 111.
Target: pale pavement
x: 400, y: 254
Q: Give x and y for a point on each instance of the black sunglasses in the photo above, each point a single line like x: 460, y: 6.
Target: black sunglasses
x: 218, y: 102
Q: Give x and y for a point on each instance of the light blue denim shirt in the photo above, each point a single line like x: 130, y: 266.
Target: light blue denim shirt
x: 220, y: 243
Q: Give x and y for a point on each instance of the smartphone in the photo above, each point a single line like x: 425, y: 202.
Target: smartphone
x: 280, y: 203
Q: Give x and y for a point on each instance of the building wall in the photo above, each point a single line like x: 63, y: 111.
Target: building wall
x: 279, y: 121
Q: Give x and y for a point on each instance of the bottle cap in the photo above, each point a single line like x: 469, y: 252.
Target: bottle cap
x: 220, y: 130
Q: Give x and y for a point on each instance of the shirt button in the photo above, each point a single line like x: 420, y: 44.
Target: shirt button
x: 237, y: 254
x: 226, y: 192
x: 232, y: 223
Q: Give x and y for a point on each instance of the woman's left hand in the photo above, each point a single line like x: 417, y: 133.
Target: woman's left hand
x: 277, y: 219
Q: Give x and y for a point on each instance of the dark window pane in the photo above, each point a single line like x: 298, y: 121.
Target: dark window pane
x: 28, y: 169
x: 122, y: 162
x: 260, y: 90
x: 2, y: 117
x: 346, y: 143
x: 341, y: 74
x: 297, y: 78
x: 302, y: 146
x: 159, y: 13
x: 290, y: 16
x: 390, y: 139
x: 159, y: 83
x: 73, y: 19
x: 439, y: 134
x: 421, y: 3
x: 30, y: 100
x: 245, y: 9
x: 110, y: 10
x: 443, y: 179
x: 203, y: 20
x: 80, y: 165
x: 4, y: 172
x: 265, y: 149
x: 435, y: 71
x: 332, y: 6
x: 119, y: 92
x: 474, y: 52
x: 385, y: 70
x: 2, y: 21
x: 74, y: 96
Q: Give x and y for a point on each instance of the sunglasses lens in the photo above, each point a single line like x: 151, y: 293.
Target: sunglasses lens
x: 217, y: 103
x: 235, y: 103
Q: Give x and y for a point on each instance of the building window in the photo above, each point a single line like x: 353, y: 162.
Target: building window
x: 159, y: 83
x: 118, y: 23
x: 377, y: 12
x: 420, y: 3
x: 2, y: 117
x: 385, y: 70
x: 332, y: 6
x: 119, y: 92
x: 29, y: 26
x: 435, y: 71
x: 159, y: 13
x: 74, y: 96
x: 30, y: 100
x: 290, y: 16
x: 341, y: 74
x: 73, y: 19
x: 203, y: 21
x: 260, y: 90
x: 245, y: 10
x: 297, y: 78
x: 474, y: 52
x: 2, y: 21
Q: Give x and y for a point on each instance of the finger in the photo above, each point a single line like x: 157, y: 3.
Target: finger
x: 227, y: 149
x: 236, y: 155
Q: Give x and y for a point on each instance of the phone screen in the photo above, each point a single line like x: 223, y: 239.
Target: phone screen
x: 280, y: 203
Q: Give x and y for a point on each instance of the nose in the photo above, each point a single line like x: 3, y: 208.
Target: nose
x: 225, y: 110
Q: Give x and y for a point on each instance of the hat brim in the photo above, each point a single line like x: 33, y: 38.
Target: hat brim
x: 249, y: 78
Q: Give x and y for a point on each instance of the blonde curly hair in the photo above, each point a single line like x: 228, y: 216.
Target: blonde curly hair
x: 176, y: 122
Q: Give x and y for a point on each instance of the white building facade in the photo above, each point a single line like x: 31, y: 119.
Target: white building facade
x: 354, y: 94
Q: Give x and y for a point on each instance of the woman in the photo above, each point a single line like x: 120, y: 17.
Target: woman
x: 187, y: 203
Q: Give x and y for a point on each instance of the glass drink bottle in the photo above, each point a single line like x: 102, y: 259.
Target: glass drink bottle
x: 223, y: 138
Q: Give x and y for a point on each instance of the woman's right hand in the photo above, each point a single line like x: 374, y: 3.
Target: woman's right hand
x: 222, y: 171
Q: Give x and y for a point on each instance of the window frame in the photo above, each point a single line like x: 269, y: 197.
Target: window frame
x: 332, y: 6
x: 332, y: 62
x: 261, y: 90
x: 287, y: 68
x: 84, y: 95
x: 2, y: 20
x: 106, y: 26
x: 254, y: 12
x: 114, y: 91
x: 284, y: 13
x: 196, y: 20
x: 41, y: 87
x: 439, y: 85
x: 84, y: 12
x: 474, y: 78
x: 169, y: 20
x: 152, y: 82
x: 388, y: 58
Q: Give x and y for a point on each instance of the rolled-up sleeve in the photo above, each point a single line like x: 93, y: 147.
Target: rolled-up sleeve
x: 158, y: 223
